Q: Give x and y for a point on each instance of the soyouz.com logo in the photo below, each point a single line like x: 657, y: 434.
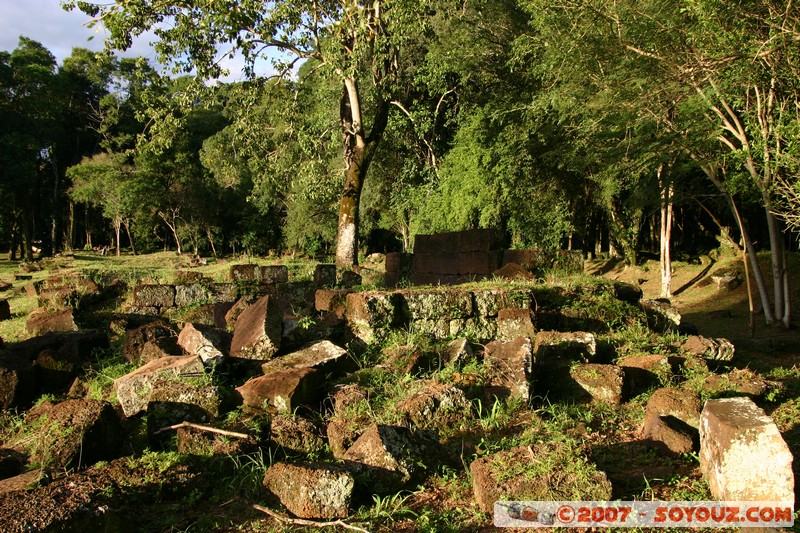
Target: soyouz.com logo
x: 642, y: 514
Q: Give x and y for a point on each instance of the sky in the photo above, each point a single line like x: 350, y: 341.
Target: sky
x: 60, y: 31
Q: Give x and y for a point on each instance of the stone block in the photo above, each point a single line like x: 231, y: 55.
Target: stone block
x: 193, y: 294
x: 133, y: 390
x: 325, y: 275
x: 743, y: 455
x: 136, y: 338
x: 436, y: 405
x: 159, y: 296
x: 478, y: 240
x: 350, y: 279
x: 257, y: 333
x: 205, y: 342
x: 437, y: 304
x: 369, y: 314
x: 282, y: 390
x: 510, y: 365
x: 602, y: 382
x: 274, y: 274
x: 323, y: 356
x: 74, y: 433
x: 331, y: 301
x: 437, y: 243
x: 573, y: 346
x: 311, y: 491
x: 644, y: 372
x: 42, y: 323
x: 296, y: 435
x: 245, y: 273
x: 223, y: 292
x: 513, y: 323
x: 478, y: 263
x: 389, y: 458
x: 713, y: 349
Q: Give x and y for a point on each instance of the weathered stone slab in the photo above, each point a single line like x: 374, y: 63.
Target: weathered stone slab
x: 602, y: 382
x: 173, y: 401
x: 713, y: 349
x: 643, y: 372
x: 223, y: 292
x: 513, y: 323
x: 527, y: 473
x: 72, y: 433
x: 742, y: 454
x: 458, y: 351
x: 274, y: 274
x: 661, y: 315
x: 331, y: 301
x: 257, y: 333
x: 325, y: 275
x: 389, y: 458
x: 133, y: 390
x: 192, y: 294
x: 573, y: 346
x: 511, y: 366
x: 283, y: 390
x: 135, y: 339
x: 232, y: 315
x: 204, y: 342
x: 683, y: 404
x: 370, y: 313
x: 489, y: 302
x: 436, y: 405
x: 245, y: 272
x: 742, y: 381
x: 51, y: 322
x: 158, y: 296
x: 311, y: 491
x: 295, y: 434
x: 672, y: 418
x: 323, y: 356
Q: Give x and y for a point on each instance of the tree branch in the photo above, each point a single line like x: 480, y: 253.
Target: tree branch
x: 310, y: 523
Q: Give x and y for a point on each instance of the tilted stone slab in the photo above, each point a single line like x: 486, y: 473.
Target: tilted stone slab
x: 206, y: 343
x: 257, y: 333
x: 742, y: 454
x: 324, y: 356
x: 436, y: 404
x: 510, y: 365
x: 133, y: 390
x: 136, y: 338
x: 283, y: 390
x: 51, y: 322
x: 672, y: 419
x: 389, y: 458
x: 713, y: 349
x: 643, y: 372
x: 311, y: 491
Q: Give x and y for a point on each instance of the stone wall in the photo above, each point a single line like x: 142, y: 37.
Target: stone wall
x: 470, y: 255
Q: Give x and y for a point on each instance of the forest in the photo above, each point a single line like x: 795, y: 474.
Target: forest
x: 626, y: 127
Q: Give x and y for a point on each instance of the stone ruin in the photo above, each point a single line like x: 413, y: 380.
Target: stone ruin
x: 533, y: 343
x: 470, y: 255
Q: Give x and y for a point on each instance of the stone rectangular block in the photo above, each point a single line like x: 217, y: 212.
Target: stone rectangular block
x: 742, y: 454
x: 154, y: 296
x: 274, y: 274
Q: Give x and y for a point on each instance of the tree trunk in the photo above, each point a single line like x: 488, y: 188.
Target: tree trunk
x: 117, y: 226
x: 130, y: 238
x: 777, y: 255
x: 210, y: 238
x: 69, y: 243
x: 665, y: 234
x: 358, y: 152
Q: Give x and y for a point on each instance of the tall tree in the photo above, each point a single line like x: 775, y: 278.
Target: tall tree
x: 356, y: 41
